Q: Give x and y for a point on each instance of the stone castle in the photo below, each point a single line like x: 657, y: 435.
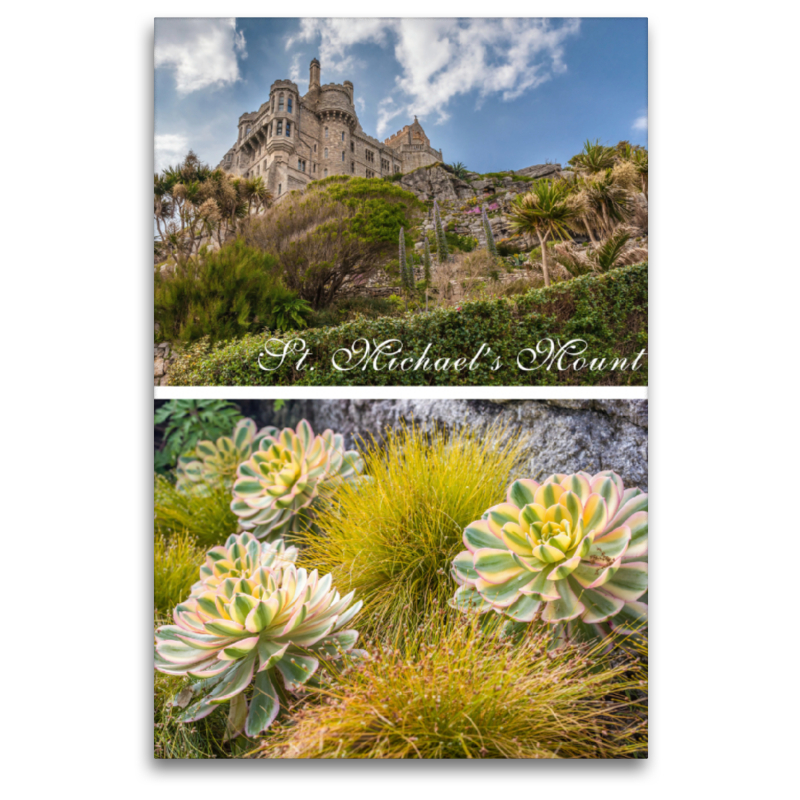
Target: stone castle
x: 293, y: 140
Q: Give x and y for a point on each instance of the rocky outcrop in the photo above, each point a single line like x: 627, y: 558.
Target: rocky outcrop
x: 436, y: 183
x: 162, y: 360
x: 540, y: 171
x: 561, y: 435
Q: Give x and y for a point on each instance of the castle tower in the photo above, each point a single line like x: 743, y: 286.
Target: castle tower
x: 313, y: 78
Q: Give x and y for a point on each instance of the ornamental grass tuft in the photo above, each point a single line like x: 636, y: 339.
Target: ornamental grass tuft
x: 392, y: 536
x: 459, y: 691
x: 177, y: 560
x: 207, y: 517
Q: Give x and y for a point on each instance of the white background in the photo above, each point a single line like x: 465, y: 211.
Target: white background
x: 77, y: 146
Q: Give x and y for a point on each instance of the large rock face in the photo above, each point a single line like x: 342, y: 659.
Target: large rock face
x: 435, y: 183
x: 540, y: 170
x: 562, y: 435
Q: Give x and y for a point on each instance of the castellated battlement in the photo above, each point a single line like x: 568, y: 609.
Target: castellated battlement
x: 294, y: 139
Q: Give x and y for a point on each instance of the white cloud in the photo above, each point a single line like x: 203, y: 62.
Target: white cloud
x: 170, y: 149
x: 640, y: 123
x: 203, y: 52
x: 440, y: 59
x: 360, y: 104
x: 294, y: 72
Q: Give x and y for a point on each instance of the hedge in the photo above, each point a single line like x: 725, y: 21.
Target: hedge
x: 608, y: 312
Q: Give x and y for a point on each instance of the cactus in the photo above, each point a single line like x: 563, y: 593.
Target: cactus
x: 441, y: 239
x: 487, y: 229
x: 570, y: 551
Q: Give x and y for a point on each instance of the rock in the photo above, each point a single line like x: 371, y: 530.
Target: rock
x: 539, y: 171
x: 436, y: 184
x: 562, y: 435
x: 158, y: 367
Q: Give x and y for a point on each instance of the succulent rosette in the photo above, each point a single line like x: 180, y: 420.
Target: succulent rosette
x: 263, y: 622
x: 570, y: 551
x: 286, y: 474
x: 215, y: 463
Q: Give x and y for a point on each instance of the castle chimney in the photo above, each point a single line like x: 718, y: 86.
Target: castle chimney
x: 349, y: 86
x: 314, y: 74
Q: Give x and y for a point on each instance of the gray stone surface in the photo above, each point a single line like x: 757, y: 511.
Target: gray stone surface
x: 562, y: 435
x: 436, y: 183
x: 539, y: 170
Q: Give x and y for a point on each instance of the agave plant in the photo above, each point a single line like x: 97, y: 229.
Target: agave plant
x: 286, y: 474
x: 253, y: 616
x: 215, y: 463
x: 570, y: 551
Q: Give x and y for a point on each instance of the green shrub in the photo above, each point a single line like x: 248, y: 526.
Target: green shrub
x: 464, y: 243
x: 391, y: 538
x: 456, y: 691
x: 608, y: 312
x: 208, y: 517
x: 393, y: 178
x: 224, y: 294
x: 188, y: 421
x: 176, y: 562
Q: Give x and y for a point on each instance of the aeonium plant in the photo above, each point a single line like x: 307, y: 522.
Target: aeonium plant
x: 289, y: 472
x: 215, y: 463
x: 570, y: 551
x: 254, y: 627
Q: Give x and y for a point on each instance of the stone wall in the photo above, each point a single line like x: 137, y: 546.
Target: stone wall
x: 561, y: 435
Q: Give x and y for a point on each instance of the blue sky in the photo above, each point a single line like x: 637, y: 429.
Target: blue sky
x: 496, y: 94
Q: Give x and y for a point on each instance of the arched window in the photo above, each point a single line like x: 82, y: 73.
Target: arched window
x: 247, y: 131
x: 342, y: 155
x: 326, y: 173
x: 289, y: 104
x: 279, y: 188
x: 288, y: 128
x: 326, y: 152
x: 280, y: 127
x: 315, y: 148
x: 280, y: 103
x: 326, y: 132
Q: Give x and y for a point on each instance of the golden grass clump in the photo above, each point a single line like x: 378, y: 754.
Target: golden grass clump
x: 177, y: 561
x: 207, y: 517
x: 460, y: 692
x: 392, y: 536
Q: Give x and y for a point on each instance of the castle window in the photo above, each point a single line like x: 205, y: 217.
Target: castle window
x: 247, y: 131
x: 370, y: 156
x: 342, y: 155
x: 288, y: 128
x: 370, y: 173
x: 279, y: 188
x: 353, y: 167
x: 280, y: 103
x: 313, y: 167
x: 326, y: 173
x: 342, y: 135
x: 315, y: 148
x: 384, y: 165
x: 280, y: 128
x: 289, y: 105
x: 352, y: 147
x: 326, y: 152
x: 273, y: 103
x: 326, y: 132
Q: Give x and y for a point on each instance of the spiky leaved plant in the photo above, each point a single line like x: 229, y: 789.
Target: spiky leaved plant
x: 426, y: 260
x: 487, y: 229
x: 406, y: 271
x: 441, y: 239
x: 570, y: 551
x: 215, y: 463
x: 253, y: 614
x: 289, y: 472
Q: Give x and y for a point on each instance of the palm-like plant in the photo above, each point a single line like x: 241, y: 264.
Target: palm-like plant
x: 546, y: 211
x: 594, y: 157
x: 639, y: 160
x: 460, y: 170
x: 609, y: 201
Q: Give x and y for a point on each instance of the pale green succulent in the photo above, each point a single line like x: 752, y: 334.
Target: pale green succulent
x: 286, y: 474
x: 571, y: 552
x: 215, y: 463
x: 253, y: 619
